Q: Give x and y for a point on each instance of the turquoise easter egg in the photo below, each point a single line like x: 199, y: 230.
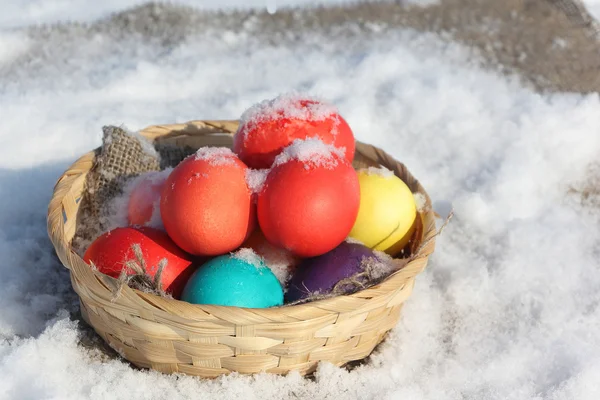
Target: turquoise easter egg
x: 241, y: 280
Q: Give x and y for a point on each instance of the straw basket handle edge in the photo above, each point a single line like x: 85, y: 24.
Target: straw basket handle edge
x: 191, y: 128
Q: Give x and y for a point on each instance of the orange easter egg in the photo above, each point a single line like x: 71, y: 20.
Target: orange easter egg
x: 206, y: 205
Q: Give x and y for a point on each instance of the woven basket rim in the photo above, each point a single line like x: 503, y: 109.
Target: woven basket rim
x: 83, y: 165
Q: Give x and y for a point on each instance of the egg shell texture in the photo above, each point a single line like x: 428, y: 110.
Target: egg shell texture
x: 206, y: 205
x: 230, y: 281
x: 308, y: 211
x: 319, y: 275
x: 112, y: 250
x: 267, y: 128
x: 387, y: 214
x: 145, y: 197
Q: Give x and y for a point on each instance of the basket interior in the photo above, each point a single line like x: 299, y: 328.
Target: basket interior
x: 195, y: 135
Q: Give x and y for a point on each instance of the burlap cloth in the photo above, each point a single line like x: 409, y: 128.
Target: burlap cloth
x: 122, y: 156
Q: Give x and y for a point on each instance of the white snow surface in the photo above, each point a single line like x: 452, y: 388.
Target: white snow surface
x: 593, y: 7
x: 509, y: 305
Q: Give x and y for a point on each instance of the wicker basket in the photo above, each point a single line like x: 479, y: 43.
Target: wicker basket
x: 205, y: 340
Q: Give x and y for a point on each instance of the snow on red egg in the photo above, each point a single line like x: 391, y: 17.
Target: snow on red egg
x: 112, y: 250
x: 309, y: 201
x: 268, y: 127
x: 206, y: 204
x: 143, y: 207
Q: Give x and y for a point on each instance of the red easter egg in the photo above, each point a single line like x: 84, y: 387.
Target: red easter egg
x: 268, y: 127
x: 206, y: 205
x: 310, y: 199
x: 145, y: 197
x: 112, y: 250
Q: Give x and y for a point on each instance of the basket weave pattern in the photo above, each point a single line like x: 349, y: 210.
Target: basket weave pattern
x: 204, y: 340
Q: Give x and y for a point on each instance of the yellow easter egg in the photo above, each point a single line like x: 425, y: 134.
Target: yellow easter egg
x: 387, y: 212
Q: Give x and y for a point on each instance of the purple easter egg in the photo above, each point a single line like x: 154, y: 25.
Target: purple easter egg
x: 320, y: 275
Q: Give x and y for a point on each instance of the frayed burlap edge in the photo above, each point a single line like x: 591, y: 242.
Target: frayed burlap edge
x: 122, y: 156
